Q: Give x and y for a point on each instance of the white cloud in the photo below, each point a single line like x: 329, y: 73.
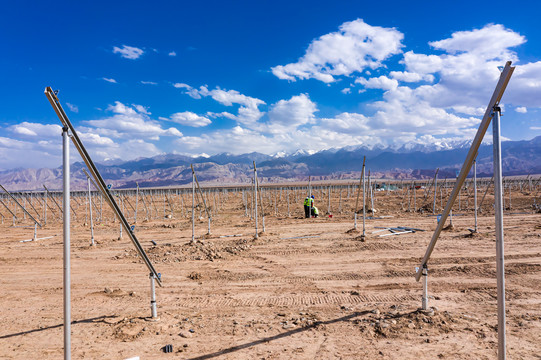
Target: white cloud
x: 382, y: 82
x: 128, y: 52
x: 21, y: 130
x: 149, y: 82
x: 36, y: 154
x: 353, y: 48
x: 120, y: 108
x: 190, y: 91
x: 109, y: 80
x: 172, y: 53
x: 492, y: 41
x: 128, y: 122
x: 73, y: 108
x: 237, y: 140
x: 292, y: 113
x: 535, y: 127
x: 231, y: 97
x: 524, y: 88
x: 36, y: 129
x: 95, y: 139
x: 349, y: 123
x: 410, y: 77
x: 248, y: 112
x: 182, y: 86
x: 189, y: 119
x: 521, y: 109
x: 346, y: 91
x: 142, y: 109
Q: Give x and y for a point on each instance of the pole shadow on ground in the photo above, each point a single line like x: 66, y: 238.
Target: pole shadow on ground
x: 278, y: 336
x: 91, y: 320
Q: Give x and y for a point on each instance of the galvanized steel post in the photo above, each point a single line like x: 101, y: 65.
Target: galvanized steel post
x: 498, y: 215
x: 66, y: 231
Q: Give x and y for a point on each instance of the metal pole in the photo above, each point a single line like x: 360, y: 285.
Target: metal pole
x: 425, y: 288
x: 45, y: 208
x: 255, y: 196
x: 288, y: 212
x: 310, y: 196
x: 136, y: 204
x: 153, y: 309
x: 371, y: 194
x: 414, y: 199
x: 360, y: 184
x: 251, y: 202
x: 193, y: 207
x: 90, y: 209
x: 435, y: 192
x: 122, y: 204
x: 364, y: 201
x: 498, y: 215
x: 66, y: 231
x: 329, y: 200
x: 475, y: 191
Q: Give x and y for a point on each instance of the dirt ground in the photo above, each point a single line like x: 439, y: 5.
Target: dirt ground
x: 304, y: 289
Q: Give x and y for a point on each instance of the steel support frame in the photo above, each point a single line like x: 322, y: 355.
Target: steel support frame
x: 55, y: 103
x: 505, y: 76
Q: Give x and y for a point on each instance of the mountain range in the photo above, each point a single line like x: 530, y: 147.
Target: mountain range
x: 410, y: 161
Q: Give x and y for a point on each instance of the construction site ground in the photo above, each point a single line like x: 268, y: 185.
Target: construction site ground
x: 304, y: 289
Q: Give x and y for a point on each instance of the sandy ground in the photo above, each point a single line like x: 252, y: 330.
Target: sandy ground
x: 305, y: 289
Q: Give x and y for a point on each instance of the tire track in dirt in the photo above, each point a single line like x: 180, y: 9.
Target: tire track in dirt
x: 329, y: 277
x: 340, y: 250
x: 484, y: 259
x: 480, y: 269
x: 301, y: 300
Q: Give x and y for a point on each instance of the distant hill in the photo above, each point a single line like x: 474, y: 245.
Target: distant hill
x: 519, y: 157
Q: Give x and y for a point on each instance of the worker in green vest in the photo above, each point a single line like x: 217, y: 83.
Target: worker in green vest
x: 315, y: 211
x: 308, y: 203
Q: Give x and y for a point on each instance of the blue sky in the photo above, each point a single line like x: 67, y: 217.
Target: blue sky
x: 138, y: 79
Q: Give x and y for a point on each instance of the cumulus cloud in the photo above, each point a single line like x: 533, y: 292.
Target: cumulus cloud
x: 36, y: 130
x: 459, y: 83
x: 190, y: 91
x: 348, y: 123
x: 95, y: 139
x: 109, y: 80
x: 172, y: 53
x: 142, y: 109
x: 248, y: 112
x: 189, y: 119
x: 130, y: 121
x: 292, y: 113
x: 410, y: 77
x: 521, y: 109
x: 492, y: 41
x: 468, y: 69
x: 355, y: 47
x: 524, y: 89
x: 128, y: 52
x: 382, y: 82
